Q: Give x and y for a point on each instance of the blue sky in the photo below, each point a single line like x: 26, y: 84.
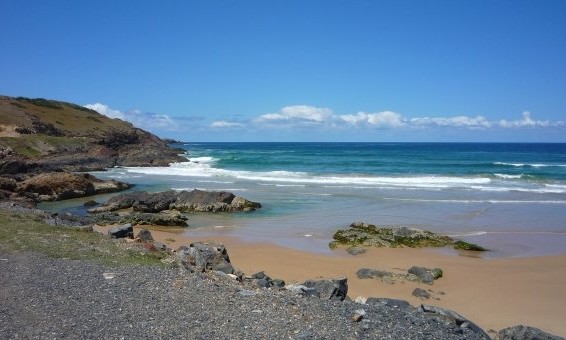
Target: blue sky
x: 298, y: 70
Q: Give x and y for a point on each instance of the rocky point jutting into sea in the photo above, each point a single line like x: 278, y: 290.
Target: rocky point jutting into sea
x: 195, y: 290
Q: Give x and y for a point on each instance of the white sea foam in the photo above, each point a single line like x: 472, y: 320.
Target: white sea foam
x: 534, y: 165
x: 505, y: 176
x: 474, y: 233
x: 204, y: 169
x: 520, y: 189
x: 457, y: 201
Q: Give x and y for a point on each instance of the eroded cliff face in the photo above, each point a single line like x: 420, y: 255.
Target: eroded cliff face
x: 38, y: 135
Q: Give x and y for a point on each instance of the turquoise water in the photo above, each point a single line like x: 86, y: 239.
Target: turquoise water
x: 509, y: 197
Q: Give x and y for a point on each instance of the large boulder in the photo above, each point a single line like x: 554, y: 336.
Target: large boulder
x: 205, y: 256
x: 521, y: 332
x: 330, y: 289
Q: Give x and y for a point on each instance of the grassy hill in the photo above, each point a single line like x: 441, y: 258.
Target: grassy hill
x: 57, y: 134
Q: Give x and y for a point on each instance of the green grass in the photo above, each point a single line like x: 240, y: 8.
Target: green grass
x: 27, y: 233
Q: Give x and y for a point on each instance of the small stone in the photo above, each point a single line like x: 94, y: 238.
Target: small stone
x: 421, y: 293
x: 109, y: 276
x: 358, y: 315
x: 90, y: 203
x: 145, y: 236
x: 245, y: 292
x: 361, y: 300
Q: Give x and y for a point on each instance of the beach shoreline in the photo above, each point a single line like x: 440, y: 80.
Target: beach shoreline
x: 494, y: 293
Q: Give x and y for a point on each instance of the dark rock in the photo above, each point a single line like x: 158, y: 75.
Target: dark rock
x: 163, y: 218
x: 8, y: 184
x: 421, y: 293
x: 366, y: 273
x: 90, y: 203
x: 183, y: 201
x: 54, y: 186
x: 154, y: 202
x: 463, y: 245
x: 260, y: 275
x: 521, y: 332
x: 210, y: 201
x: 331, y: 289
x: 121, y: 231
x: 263, y: 283
x: 278, y: 283
x: 145, y: 236
x: 203, y: 256
x: 161, y: 246
x: 426, y: 275
x: 395, y: 303
x: 453, y: 317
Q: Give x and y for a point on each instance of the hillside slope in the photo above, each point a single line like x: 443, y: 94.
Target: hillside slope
x: 47, y: 135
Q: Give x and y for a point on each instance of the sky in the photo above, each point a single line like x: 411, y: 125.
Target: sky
x: 298, y: 70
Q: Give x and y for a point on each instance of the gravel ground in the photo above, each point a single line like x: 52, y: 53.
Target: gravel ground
x: 42, y: 297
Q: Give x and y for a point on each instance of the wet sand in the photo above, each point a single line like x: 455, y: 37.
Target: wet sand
x: 494, y: 293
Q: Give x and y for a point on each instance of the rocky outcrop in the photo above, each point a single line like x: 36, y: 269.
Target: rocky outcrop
x: 326, y: 289
x: 40, y: 135
x: 361, y: 234
x: 55, y: 186
x: 183, y: 201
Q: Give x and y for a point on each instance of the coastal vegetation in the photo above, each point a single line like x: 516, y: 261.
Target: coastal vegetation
x: 26, y: 232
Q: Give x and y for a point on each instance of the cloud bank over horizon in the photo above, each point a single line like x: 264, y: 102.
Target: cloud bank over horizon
x: 312, y: 118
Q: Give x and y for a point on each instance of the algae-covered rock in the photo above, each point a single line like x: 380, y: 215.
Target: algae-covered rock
x: 369, y: 235
x: 361, y: 234
x: 463, y: 245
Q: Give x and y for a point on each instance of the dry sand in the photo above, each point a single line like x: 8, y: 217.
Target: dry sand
x: 494, y: 293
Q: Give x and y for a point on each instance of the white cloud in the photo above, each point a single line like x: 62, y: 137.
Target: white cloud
x: 527, y: 121
x: 298, y: 114
x: 222, y: 124
x: 145, y: 120
x: 105, y: 110
x: 457, y: 121
x: 382, y: 119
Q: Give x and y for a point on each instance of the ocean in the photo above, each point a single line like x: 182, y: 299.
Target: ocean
x: 510, y: 198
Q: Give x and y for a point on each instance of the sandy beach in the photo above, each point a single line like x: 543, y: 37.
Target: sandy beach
x: 494, y: 293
